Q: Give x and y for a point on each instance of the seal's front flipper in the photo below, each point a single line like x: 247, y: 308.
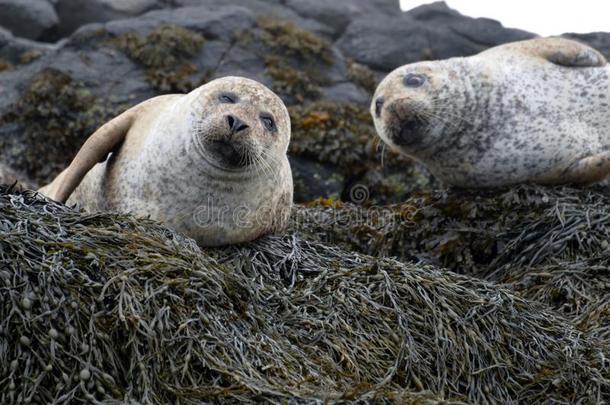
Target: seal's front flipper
x: 565, y: 52
x: 590, y: 169
x: 94, y: 150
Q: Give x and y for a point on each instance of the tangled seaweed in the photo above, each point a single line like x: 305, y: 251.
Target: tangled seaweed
x: 548, y: 244
x: 108, y: 307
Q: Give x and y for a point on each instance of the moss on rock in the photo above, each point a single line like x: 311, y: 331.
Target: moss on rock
x: 56, y: 115
x: 165, y: 52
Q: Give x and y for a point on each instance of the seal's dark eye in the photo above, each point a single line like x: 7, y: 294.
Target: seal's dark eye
x: 268, y: 122
x: 414, y: 80
x: 227, y: 98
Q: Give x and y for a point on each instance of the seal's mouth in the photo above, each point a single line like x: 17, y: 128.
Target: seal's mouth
x: 408, y: 132
x: 227, y: 154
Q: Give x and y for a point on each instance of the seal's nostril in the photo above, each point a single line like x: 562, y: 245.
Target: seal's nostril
x: 235, y: 124
x: 231, y: 121
x: 378, y: 105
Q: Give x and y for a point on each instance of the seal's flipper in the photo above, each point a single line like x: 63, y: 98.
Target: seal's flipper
x: 565, y: 52
x: 588, y: 170
x: 95, y: 149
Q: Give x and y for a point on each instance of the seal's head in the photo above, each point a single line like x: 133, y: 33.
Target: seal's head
x: 406, y: 107
x: 239, y: 124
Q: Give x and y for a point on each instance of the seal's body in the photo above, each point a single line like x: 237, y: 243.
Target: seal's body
x: 534, y: 111
x: 210, y: 164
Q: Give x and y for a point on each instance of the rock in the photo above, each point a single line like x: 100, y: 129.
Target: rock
x: 338, y: 14
x: 13, y: 49
x: 346, y: 92
x: 76, y: 13
x: 8, y: 176
x: 27, y: 18
x: 313, y: 180
x: 427, y: 32
x: 267, y: 8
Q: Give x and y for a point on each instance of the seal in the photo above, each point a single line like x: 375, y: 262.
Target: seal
x: 210, y: 164
x: 534, y: 111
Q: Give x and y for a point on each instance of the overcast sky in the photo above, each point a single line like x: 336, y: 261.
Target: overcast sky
x: 544, y: 17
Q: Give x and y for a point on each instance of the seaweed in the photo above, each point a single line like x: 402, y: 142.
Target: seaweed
x: 165, y: 52
x: 549, y: 245
x: 102, y: 307
x: 56, y: 114
x: 295, y: 59
x: 286, y: 38
x: 362, y: 76
x: 343, y: 135
x: 5, y: 65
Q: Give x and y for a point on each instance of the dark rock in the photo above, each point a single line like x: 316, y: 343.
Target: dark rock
x: 346, y: 92
x: 427, y: 32
x: 10, y: 177
x: 12, y: 48
x: 338, y: 14
x: 27, y: 18
x: 268, y: 8
x: 76, y: 13
x: 313, y: 180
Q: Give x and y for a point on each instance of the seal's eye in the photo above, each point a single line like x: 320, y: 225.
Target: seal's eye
x: 414, y: 80
x: 227, y: 98
x: 268, y: 122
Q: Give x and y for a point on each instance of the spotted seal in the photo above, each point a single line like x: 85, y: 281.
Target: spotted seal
x: 210, y: 164
x: 534, y: 111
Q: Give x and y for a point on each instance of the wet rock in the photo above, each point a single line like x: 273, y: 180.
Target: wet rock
x: 27, y: 18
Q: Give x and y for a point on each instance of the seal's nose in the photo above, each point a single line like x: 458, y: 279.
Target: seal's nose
x: 235, y: 124
x: 378, y: 106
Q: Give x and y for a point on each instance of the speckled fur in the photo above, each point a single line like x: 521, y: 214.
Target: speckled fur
x: 534, y: 111
x: 164, y: 171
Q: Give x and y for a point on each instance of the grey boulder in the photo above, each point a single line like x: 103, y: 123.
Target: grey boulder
x: 27, y: 18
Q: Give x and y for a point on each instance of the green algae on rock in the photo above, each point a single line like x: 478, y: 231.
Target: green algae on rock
x: 108, y: 307
x: 165, y: 52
